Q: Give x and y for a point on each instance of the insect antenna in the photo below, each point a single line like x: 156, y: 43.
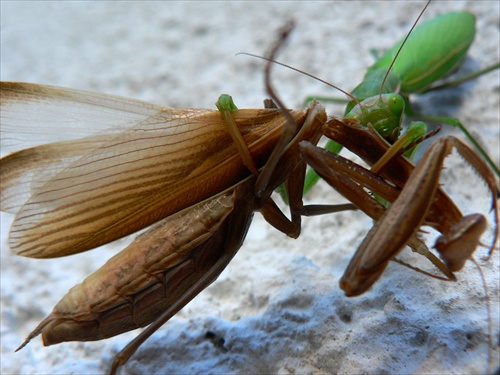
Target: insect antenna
x: 284, y: 33
x: 488, y: 313
x: 352, y: 97
x: 289, y: 130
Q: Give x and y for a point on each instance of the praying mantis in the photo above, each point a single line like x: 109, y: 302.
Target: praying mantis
x: 328, y: 238
x: 416, y: 64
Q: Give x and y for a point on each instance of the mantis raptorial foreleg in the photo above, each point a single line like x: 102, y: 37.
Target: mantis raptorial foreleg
x: 399, y: 225
x: 350, y: 179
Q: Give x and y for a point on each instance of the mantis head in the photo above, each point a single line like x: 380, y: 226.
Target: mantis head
x: 383, y: 112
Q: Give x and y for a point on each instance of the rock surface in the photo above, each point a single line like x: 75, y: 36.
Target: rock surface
x: 278, y: 305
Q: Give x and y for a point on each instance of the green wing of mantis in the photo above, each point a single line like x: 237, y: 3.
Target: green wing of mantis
x: 433, y: 50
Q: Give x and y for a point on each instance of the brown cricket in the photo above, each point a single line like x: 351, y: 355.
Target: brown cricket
x: 196, y: 177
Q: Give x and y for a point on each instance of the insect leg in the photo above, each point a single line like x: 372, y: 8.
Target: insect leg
x: 350, y: 179
x: 407, y: 214
x: 225, y: 105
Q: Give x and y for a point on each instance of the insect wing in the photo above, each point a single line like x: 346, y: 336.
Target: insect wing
x: 34, y: 115
x: 76, y: 122
x: 74, y: 196
x: 441, y: 44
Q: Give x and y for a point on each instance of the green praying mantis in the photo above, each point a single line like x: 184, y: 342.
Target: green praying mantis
x: 432, y: 51
x: 415, y: 65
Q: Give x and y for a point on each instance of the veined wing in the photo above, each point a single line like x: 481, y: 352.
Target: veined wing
x: 73, y: 196
x: 34, y: 114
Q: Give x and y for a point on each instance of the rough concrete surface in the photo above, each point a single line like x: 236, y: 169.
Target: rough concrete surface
x: 278, y: 304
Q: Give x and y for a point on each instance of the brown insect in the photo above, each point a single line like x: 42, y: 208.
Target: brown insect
x: 173, y: 261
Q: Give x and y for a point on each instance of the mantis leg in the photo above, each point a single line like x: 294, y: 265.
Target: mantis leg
x: 463, y: 79
x: 225, y: 105
x: 407, y: 214
x: 349, y: 179
x: 456, y: 123
x: 420, y: 202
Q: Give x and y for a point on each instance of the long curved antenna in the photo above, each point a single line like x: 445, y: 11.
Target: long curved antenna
x: 352, y: 97
x: 283, y: 36
x: 488, y: 312
x: 289, y: 130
